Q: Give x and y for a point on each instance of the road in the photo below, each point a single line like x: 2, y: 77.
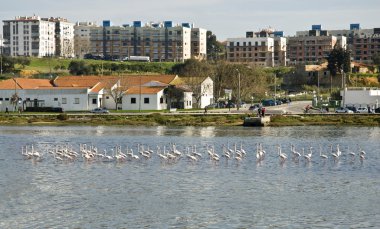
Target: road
x: 296, y: 107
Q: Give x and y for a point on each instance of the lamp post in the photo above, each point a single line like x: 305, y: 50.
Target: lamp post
x: 140, y: 94
x: 238, y: 105
x: 1, y: 60
x: 275, y: 88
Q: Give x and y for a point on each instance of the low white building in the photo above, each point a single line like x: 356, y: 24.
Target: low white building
x: 361, y: 97
x: 145, y: 98
x: 83, y: 93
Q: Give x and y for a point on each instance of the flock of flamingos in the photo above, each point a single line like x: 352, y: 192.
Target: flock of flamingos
x: 172, y: 154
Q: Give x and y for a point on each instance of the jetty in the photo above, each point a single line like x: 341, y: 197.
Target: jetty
x: 256, y: 121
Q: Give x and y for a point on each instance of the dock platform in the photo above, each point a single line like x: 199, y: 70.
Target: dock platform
x: 256, y: 121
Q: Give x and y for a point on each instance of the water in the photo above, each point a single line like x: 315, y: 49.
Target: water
x: 151, y: 194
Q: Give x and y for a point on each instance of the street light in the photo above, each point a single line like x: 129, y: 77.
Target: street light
x: 238, y: 105
x: 275, y: 88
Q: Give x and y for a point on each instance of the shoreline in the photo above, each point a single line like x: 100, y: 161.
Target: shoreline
x: 181, y: 119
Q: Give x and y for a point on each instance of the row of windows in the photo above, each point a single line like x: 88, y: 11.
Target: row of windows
x: 64, y: 100
x: 263, y: 43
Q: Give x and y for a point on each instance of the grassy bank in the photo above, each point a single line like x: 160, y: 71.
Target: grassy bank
x: 146, y: 120
x: 320, y: 120
x: 185, y: 120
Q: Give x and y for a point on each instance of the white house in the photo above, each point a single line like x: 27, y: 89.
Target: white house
x: 361, y: 97
x: 145, y: 98
x: 82, y: 93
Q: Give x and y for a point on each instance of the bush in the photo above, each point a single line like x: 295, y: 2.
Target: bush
x: 62, y: 117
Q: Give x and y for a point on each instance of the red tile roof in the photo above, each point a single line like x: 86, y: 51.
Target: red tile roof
x: 144, y: 90
x: 23, y: 83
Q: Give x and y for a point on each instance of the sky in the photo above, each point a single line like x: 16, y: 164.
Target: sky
x: 226, y: 19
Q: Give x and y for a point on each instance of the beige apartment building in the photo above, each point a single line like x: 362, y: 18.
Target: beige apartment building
x: 313, y: 47
x: 363, y: 43
x: 266, y: 48
x: 82, y: 43
x: 158, y: 41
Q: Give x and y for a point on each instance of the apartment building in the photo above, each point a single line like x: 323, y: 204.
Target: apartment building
x: 1, y: 44
x: 39, y: 37
x: 265, y: 48
x: 363, y: 43
x: 29, y: 36
x: 160, y: 41
x: 312, y: 47
x: 64, y: 37
x: 82, y: 43
x: 198, y: 42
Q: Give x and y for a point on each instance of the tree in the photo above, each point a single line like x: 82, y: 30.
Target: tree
x: 8, y: 63
x: 14, y: 100
x: 174, y: 95
x: 339, y: 60
x: 114, y: 90
x: 376, y: 60
x: 215, y: 49
x: 79, y: 68
x: 193, y: 67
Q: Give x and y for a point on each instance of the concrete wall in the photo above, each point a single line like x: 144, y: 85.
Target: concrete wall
x: 68, y: 99
x: 154, y: 102
x: 362, y: 97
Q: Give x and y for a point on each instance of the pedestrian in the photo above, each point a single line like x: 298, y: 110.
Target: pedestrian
x: 6, y: 110
x: 263, y: 111
x: 205, y: 109
x: 259, y: 112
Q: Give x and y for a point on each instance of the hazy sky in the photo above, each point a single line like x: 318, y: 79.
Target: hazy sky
x: 225, y: 18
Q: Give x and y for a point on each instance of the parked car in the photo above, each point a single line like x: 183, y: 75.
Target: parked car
x: 100, y: 111
x: 352, y: 108
x: 212, y: 106
x: 268, y: 102
x: 362, y: 110
x: 230, y: 105
x: 254, y: 107
x: 343, y: 110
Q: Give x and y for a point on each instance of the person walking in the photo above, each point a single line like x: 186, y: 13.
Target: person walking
x: 263, y: 111
x: 6, y: 110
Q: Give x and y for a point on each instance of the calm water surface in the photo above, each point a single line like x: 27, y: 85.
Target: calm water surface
x: 151, y: 194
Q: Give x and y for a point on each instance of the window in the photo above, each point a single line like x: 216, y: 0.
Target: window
x: 133, y: 100
x: 146, y: 100
x: 161, y: 100
x: 64, y: 100
x: 76, y: 101
x: 55, y: 99
x: 6, y: 99
x: 94, y: 101
x: 1, y: 99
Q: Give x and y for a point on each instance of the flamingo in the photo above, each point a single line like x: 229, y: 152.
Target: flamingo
x: 323, y: 156
x: 282, y: 156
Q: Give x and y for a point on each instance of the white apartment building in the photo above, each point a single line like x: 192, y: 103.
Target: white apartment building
x: 29, y: 36
x: 39, y: 37
x: 64, y: 37
x: 199, y: 43
x: 82, y: 43
x: 160, y: 41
